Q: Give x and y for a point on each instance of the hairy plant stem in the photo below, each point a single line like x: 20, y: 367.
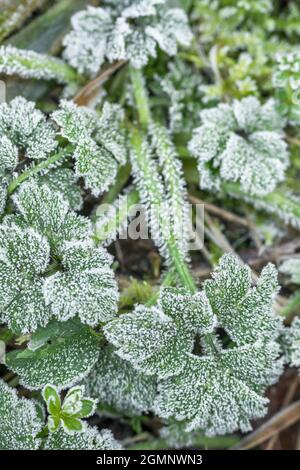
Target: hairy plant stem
x: 65, y: 152
x: 137, y: 138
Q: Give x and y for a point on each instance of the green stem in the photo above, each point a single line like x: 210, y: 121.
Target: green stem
x: 283, y: 205
x: 111, y: 226
x: 141, y: 96
x: 38, y: 168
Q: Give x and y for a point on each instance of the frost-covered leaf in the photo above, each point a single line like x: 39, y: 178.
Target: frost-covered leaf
x: 24, y: 256
x: 75, y: 122
x: 246, y: 314
x: 27, y: 128
x: 31, y: 64
x: 241, y: 143
x: 221, y: 393
x: 90, y: 439
x: 62, y: 354
x: 85, y: 285
x: 109, y: 133
x: 183, y: 90
x: 96, y: 165
x: 19, y: 421
x: 48, y: 212
x: 124, y: 31
x: 286, y: 81
x: 8, y: 155
x: 65, y: 181
x: 291, y: 343
x: 155, y: 340
x: 114, y: 382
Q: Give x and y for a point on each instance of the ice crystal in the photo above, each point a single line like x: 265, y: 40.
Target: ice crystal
x: 125, y: 30
x: 20, y: 422
x: 241, y: 143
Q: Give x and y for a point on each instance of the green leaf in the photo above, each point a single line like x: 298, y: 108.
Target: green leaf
x: 53, y: 423
x: 67, y: 356
x: 72, y: 400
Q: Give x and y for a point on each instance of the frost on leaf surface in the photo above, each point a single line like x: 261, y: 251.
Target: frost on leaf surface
x: 291, y: 267
x: 85, y: 286
x: 124, y: 30
x: 68, y: 413
x: 99, y: 142
x: 114, y: 382
x: 291, y: 343
x: 19, y: 421
x: 31, y: 64
x: 242, y: 142
x: 90, y: 439
x: 212, y: 384
x: 27, y: 128
x: 62, y: 354
x: 156, y: 340
x: 65, y: 181
x: 24, y: 256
